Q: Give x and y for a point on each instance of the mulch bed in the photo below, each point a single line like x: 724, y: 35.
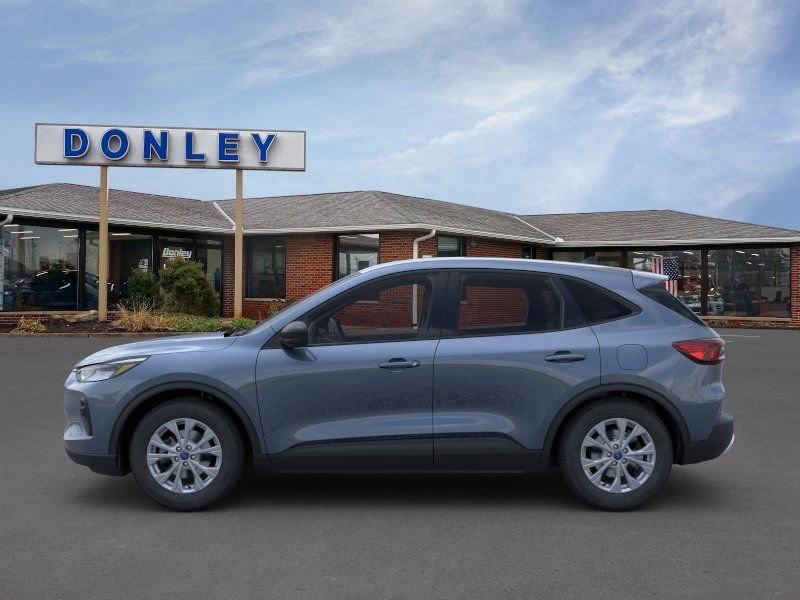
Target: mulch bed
x: 84, y: 327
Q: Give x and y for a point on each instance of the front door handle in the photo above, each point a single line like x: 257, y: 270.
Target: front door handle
x: 399, y: 363
x: 565, y: 356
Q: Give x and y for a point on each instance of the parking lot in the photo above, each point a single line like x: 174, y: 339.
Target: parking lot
x: 725, y: 529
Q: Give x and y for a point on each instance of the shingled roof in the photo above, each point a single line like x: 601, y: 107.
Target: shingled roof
x: 364, y: 211
x: 79, y: 202
x: 374, y: 210
x: 636, y: 227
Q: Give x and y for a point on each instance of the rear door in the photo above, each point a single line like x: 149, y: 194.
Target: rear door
x: 514, y: 350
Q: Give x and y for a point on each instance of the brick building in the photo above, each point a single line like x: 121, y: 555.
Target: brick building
x: 730, y: 272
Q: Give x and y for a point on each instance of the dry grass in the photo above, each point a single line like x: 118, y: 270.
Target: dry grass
x: 142, y: 317
x: 26, y: 325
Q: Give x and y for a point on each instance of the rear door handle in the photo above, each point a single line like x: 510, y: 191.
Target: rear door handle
x: 565, y: 356
x: 399, y: 363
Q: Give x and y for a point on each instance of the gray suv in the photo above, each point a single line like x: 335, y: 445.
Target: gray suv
x: 448, y: 365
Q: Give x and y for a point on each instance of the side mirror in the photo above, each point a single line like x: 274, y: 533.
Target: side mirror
x: 294, y: 335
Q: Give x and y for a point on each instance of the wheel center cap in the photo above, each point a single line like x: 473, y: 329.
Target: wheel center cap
x: 617, y: 455
x: 184, y: 456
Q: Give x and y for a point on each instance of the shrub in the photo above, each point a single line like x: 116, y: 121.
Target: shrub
x: 186, y: 290
x: 143, y: 289
x: 26, y: 325
x: 141, y: 317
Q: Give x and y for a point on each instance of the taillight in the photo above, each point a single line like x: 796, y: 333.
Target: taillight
x: 705, y: 352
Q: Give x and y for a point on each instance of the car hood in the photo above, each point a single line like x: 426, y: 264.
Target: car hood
x: 170, y: 345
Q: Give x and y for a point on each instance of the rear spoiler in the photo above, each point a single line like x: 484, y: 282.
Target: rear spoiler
x: 642, y: 279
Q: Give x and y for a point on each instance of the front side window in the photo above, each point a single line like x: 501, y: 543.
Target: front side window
x: 507, y: 303
x: 39, y: 269
x: 356, y: 252
x: 748, y: 282
x: 266, y: 267
x: 391, y: 310
x: 450, y: 246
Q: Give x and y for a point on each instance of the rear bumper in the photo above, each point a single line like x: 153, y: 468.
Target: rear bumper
x: 718, y: 443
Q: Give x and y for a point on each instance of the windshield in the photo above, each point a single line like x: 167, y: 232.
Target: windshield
x: 307, y: 302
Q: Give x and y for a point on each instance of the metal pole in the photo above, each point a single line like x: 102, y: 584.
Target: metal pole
x: 238, y: 255
x: 102, y: 257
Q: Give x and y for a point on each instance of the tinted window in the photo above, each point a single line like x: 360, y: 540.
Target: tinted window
x: 266, y: 267
x: 355, y: 252
x: 386, y: 311
x: 659, y: 293
x: 596, y: 304
x: 506, y: 303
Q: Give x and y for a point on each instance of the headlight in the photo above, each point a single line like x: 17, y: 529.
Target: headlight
x: 103, y: 371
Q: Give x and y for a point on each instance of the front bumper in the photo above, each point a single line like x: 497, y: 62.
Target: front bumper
x: 105, y: 464
x: 717, y: 444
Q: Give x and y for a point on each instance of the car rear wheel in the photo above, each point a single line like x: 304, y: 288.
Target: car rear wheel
x: 187, y: 454
x: 615, y: 453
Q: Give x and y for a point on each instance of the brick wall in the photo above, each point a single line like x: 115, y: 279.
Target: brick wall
x: 227, y: 277
x: 494, y: 248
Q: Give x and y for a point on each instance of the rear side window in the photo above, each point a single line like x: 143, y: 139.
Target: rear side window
x: 596, y: 304
x: 507, y: 303
x: 659, y: 293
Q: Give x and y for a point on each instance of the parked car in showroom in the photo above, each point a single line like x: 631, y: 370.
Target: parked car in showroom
x: 444, y: 365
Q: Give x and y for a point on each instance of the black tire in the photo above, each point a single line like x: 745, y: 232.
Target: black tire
x: 579, y: 426
x: 223, y: 426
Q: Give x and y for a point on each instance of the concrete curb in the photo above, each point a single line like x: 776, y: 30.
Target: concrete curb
x: 144, y: 334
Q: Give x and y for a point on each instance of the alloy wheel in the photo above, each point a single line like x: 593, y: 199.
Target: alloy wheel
x: 184, y: 456
x: 618, y: 455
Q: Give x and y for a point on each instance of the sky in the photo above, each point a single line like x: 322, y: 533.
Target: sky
x: 529, y: 107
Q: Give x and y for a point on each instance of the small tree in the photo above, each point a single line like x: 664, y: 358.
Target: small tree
x: 143, y: 289
x: 186, y: 289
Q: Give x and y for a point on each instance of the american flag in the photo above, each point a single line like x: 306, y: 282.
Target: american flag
x: 668, y: 265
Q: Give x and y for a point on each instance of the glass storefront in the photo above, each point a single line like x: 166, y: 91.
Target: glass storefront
x: 749, y: 282
x: 608, y: 258
x: 39, y: 267
x: 356, y: 252
x: 682, y: 266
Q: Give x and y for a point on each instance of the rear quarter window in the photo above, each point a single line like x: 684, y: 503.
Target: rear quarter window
x: 659, y: 293
x: 597, y: 304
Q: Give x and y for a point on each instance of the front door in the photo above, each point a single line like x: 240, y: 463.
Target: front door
x: 359, y: 397
x: 513, y: 351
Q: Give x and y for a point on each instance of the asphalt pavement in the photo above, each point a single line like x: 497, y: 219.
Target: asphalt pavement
x: 729, y: 528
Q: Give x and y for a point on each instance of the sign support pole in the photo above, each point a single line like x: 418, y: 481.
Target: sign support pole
x: 238, y: 255
x: 102, y: 267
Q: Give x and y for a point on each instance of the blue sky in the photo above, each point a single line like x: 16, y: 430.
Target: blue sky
x: 521, y: 106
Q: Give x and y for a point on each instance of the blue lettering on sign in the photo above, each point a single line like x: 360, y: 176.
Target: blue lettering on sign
x: 190, y: 153
x: 122, y: 147
x: 71, y: 136
x: 159, y: 146
x: 228, y: 147
x: 263, y: 145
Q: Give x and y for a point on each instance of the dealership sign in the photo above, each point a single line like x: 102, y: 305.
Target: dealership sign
x: 193, y: 148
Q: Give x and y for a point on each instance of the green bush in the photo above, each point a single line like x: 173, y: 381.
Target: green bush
x: 186, y: 289
x: 143, y: 289
x: 193, y: 323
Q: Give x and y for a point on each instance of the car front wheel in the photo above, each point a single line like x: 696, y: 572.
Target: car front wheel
x: 186, y: 454
x: 615, y: 453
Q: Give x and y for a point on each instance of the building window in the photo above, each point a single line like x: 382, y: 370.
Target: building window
x: 748, y: 282
x: 569, y: 255
x: 127, y: 252
x: 266, y: 267
x: 356, y: 252
x: 39, y: 268
x: 450, y: 246
x: 683, y: 267
x: 529, y: 251
x: 608, y: 258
